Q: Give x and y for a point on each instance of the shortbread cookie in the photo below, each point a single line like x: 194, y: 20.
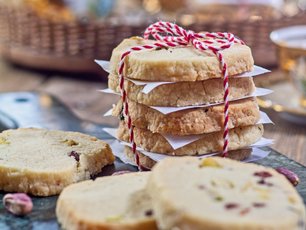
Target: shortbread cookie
x: 186, y: 93
x: 148, y: 163
x: 42, y: 162
x: 179, y: 63
x: 113, y: 202
x: 218, y: 193
x: 192, y: 121
x: 240, y: 137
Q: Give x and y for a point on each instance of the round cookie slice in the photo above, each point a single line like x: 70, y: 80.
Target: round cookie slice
x: 191, y: 121
x: 217, y: 193
x: 113, y: 202
x: 177, y: 64
x: 240, y: 137
x: 185, y: 93
x: 42, y: 162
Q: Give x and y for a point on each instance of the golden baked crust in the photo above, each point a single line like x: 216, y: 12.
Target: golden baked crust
x: 185, y: 93
x: 240, y: 137
x: 42, y: 162
x: 192, y: 121
x: 180, y: 63
x: 107, y: 203
x: 147, y: 162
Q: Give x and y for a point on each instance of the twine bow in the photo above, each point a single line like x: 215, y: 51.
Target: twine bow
x: 168, y: 35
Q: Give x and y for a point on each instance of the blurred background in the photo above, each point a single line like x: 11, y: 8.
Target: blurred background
x: 66, y: 35
x: 49, y: 46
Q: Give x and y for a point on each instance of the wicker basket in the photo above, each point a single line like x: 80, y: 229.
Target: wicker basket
x: 31, y: 41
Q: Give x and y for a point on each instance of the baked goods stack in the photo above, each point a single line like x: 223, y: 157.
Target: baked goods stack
x: 174, y: 98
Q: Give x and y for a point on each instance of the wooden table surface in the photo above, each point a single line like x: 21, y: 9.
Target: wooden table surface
x: 81, y: 95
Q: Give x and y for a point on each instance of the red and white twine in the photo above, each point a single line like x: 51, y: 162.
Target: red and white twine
x: 168, y: 35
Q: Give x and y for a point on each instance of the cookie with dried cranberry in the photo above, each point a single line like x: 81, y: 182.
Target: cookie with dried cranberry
x: 42, y: 162
x: 218, y: 193
x: 108, y: 203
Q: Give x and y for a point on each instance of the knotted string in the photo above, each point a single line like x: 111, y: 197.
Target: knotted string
x: 168, y: 35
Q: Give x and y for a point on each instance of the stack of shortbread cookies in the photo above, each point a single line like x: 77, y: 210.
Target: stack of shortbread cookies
x: 192, y: 81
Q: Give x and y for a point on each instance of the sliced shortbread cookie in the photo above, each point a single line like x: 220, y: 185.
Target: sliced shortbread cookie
x: 42, y: 162
x: 240, y: 137
x: 222, y: 194
x: 185, y: 93
x: 148, y: 163
x: 192, y: 121
x: 113, y: 202
x: 179, y: 63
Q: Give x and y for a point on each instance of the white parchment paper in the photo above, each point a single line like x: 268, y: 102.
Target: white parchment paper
x: 166, y: 110
x: 109, y: 91
x: 150, y: 85
x: 108, y: 113
x: 118, y: 150
x: 177, y: 142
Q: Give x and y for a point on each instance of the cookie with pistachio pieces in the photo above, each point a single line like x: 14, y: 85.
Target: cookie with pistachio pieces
x: 112, y: 202
x: 42, y: 162
x: 219, y: 193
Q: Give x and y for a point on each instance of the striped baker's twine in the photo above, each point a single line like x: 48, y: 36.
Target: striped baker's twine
x: 177, y: 36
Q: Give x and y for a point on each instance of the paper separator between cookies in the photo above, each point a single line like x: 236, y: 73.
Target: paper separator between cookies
x: 256, y: 148
x: 177, y: 142
x: 148, y: 86
x: 170, y: 109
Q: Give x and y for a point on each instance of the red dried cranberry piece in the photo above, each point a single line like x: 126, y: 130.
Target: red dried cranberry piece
x: 244, y: 211
x: 75, y: 155
x: 259, y: 205
x: 201, y: 187
x: 269, y: 184
x: 263, y: 174
x: 231, y: 205
x: 263, y: 182
x: 149, y: 212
